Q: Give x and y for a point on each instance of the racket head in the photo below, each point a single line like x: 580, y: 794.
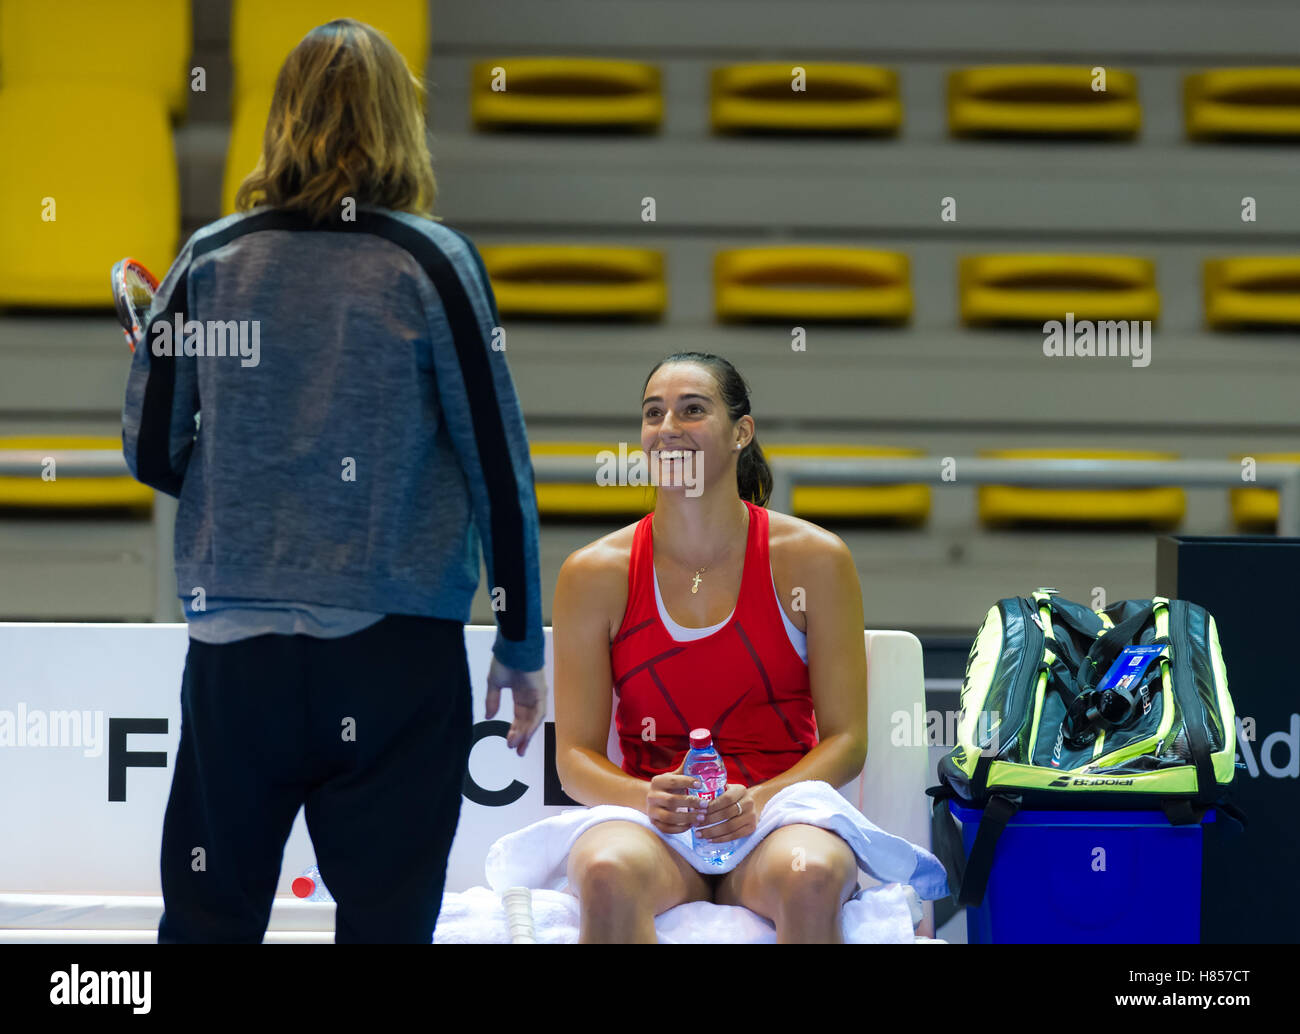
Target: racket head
x: 133, y: 290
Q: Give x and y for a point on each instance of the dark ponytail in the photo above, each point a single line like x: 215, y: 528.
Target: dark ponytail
x: 753, y: 475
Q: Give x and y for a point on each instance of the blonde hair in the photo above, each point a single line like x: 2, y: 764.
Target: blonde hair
x: 346, y: 120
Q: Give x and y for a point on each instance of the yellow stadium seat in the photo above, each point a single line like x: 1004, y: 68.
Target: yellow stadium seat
x: 1041, y: 287
x: 262, y: 34
x: 1160, y: 506
x: 834, y: 98
x: 145, y: 44
x: 560, y: 281
x: 65, y: 220
x: 904, y: 503
x: 1256, y: 510
x: 565, y: 92
x: 1042, y: 100
x: 1260, y: 291
x: 812, y: 283
x: 66, y: 492
x: 1242, y: 102
x: 590, y: 498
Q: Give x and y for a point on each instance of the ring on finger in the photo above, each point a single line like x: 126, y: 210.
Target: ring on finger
x: 739, y: 812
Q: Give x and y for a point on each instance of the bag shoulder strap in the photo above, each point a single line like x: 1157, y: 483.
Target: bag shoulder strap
x: 968, y: 878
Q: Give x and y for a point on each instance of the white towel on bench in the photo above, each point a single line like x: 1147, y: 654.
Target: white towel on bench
x: 537, y: 855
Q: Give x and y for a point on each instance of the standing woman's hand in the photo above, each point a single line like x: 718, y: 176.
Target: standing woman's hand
x: 528, y: 689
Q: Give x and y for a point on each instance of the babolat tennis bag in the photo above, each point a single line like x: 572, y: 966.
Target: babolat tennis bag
x: 1051, y: 721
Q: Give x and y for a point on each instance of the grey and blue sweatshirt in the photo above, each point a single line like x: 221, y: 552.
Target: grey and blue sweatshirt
x: 336, y: 417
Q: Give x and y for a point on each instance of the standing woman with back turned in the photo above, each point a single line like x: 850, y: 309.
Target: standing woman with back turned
x: 334, y: 490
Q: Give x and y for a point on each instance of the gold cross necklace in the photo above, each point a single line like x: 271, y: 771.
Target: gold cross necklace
x: 695, y: 582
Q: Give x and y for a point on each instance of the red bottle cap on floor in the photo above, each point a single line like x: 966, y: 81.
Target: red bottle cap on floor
x: 701, y: 738
x: 302, y: 886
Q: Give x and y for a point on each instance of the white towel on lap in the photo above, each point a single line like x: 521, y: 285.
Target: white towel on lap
x: 877, y: 915
x: 537, y: 855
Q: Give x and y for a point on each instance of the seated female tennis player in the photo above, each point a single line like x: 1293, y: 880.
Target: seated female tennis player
x: 710, y: 612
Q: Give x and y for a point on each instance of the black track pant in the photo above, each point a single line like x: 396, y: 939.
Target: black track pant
x: 370, y: 732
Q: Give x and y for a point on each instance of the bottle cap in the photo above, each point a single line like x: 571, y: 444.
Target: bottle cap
x: 701, y: 738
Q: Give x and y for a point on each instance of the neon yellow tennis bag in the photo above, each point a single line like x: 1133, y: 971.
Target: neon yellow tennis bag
x: 1049, y: 720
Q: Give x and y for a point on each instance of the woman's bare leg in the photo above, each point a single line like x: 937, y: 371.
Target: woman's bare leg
x: 624, y: 875
x: 798, y: 877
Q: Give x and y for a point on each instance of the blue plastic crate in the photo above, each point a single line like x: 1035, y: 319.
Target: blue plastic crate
x: 1088, y: 877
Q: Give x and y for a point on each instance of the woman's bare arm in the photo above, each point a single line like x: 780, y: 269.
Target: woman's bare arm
x: 590, y: 596
x: 837, y: 665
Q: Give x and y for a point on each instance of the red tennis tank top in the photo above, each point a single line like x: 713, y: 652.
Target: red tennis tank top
x: 745, y: 681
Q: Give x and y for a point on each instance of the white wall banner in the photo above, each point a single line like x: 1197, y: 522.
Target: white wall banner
x: 89, y: 727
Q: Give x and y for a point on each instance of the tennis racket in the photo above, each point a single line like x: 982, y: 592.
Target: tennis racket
x: 519, y: 914
x: 133, y: 290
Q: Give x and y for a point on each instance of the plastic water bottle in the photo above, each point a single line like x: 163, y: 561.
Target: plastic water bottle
x: 310, y: 886
x: 705, y: 764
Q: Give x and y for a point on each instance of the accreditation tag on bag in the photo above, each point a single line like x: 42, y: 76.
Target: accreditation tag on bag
x: 1130, y: 665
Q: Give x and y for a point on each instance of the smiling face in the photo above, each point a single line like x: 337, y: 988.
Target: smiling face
x: 685, y: 422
